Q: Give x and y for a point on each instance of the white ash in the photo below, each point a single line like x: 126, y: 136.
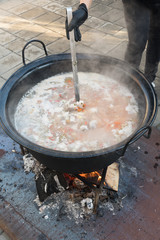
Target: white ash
x: 32, y: 165
x: 37, y: 201
x: 67, y: 205
x: 87, y: 202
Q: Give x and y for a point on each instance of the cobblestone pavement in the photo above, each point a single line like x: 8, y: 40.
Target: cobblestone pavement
x: 22, y: 20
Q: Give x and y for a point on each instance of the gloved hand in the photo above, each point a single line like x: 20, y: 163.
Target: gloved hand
x: 79, y: 17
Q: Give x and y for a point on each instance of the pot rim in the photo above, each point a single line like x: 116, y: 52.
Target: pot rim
x: 47, y: 60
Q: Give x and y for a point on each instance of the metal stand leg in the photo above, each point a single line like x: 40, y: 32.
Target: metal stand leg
x: 98, y: 190
x: 22, y: 150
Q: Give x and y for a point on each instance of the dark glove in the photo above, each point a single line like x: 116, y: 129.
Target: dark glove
x: 79, y: 17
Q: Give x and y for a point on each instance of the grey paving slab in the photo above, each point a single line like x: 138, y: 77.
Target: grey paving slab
x: 107, y: 2
x: 10, y: 71
x: 30, y: 32
x: 116, y: 4
x: 21, y: 8
x: 4, y: 51
x: 110, y: 28
x: 58, y: 26
x: 121, y: 22
x: 9, y: 62
x: 15, y: 46
x: 59, y: 46
x: 122, y: 34
x: 99, y: 9
x: 6, y: 5
x: 113, y: 15
x: 92, y: 36
x: 50, y: 36
x: 54, y: 6
x: 41, y: 3
x: 119, y: 51
x: 94, y: 22
x: 6, y: 37
x: 33, y: 13
x: 46, y: 18
x: 107, y: 43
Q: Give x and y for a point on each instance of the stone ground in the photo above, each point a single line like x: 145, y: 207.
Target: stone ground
x: 22, y: 20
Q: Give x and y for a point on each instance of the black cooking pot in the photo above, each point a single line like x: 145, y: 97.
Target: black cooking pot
x: 76, y: 162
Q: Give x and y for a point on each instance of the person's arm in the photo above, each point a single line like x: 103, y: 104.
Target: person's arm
x: 87, y: 2
x: 79, y: 17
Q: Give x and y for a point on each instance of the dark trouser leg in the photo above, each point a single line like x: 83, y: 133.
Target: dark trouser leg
x: 153, y: 48
x: 137, y: 21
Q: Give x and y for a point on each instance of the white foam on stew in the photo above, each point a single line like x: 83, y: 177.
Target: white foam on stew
x: 49, y: 116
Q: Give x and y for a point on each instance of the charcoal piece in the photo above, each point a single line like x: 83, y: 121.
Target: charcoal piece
x: 62, y: 180
x: 45, y: 184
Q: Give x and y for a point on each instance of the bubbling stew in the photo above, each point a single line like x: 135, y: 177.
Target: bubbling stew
x: 49, y: 116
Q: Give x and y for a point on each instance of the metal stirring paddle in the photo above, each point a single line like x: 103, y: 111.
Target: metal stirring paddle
x: 73, y: 56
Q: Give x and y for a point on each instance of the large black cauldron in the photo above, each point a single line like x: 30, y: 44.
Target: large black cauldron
x: 36, y: 71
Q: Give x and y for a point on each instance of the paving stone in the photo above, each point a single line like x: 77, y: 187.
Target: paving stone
x: 16, y: 46
x: 9, y: 62
x: 94, y: 22
x: 41, y: 2
x: 4, y: 51
x: 62, y: 12
x: 107, y: 2
x: 10, y: 71
x: 7, y: 22
x: 81, y: 48
x: 83, y: 28
x: 98, y: 10
x: 119, y: 51
x: 3, y: 12
x: 121, y: 22
x: 113, y: 15
x: 122, y: 34
x: 58, y: 26
x: 31, y: 32
x: 59, y: 46
x: 70, y: 2
x: 19, y: 24
x: 54, y: 6
x: 117, y: 4
x: 33, y: 13
x: 92, y: 36
x: 6, y: 5
x: 49, y: 37
x: 6, y: 37
x: 110, y: 28
x: 46, y: 18
x: 19, y: 9
x: 106, y: 44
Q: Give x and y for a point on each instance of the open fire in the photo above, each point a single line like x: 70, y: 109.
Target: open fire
x: 87, y: 188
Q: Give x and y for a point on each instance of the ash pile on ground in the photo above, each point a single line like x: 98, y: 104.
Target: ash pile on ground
x: 77, y: 203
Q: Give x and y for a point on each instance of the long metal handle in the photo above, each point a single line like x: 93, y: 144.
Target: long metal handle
x: 73, y: 56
